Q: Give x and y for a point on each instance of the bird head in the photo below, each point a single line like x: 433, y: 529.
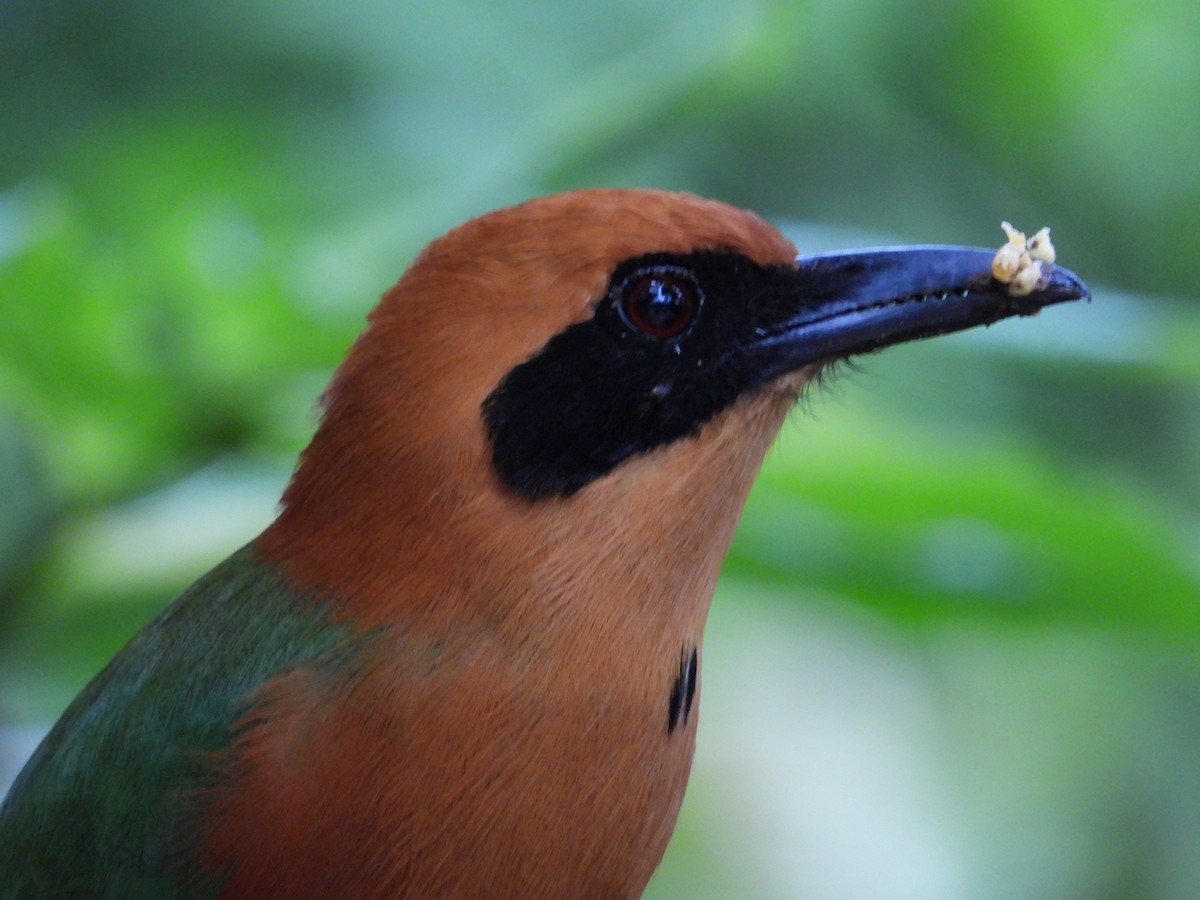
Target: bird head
x: 604, y: 365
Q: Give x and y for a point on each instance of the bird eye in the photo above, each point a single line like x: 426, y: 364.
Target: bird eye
x: 660, y: 302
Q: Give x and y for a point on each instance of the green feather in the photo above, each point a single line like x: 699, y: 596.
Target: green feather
x: 101, y: 808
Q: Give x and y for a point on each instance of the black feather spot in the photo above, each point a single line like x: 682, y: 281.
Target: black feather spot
x: 683, y: 690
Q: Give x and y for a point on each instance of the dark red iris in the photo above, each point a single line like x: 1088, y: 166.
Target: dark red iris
x: 661, y: 303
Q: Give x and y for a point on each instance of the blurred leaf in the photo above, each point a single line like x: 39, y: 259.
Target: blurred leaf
x: 25, y: 515
x: 922, y: 528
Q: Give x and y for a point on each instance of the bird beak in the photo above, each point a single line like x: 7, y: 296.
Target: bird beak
x: 853, y: 302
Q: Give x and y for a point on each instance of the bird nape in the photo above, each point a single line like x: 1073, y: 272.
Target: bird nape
x: 463, y: 660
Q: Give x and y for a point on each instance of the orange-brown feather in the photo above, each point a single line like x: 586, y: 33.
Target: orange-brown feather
x: 509, y: 735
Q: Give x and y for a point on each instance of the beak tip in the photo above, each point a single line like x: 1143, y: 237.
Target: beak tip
x: 1065, y: 285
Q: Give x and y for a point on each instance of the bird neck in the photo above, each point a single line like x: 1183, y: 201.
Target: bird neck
x: 434, y: 540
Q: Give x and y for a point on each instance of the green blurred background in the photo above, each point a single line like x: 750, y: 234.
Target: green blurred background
x: 954, y: 653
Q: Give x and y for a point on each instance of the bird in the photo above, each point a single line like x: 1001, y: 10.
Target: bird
x: 464, y: 658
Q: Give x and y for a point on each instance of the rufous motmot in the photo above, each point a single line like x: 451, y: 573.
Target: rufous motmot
x: 464, y: 659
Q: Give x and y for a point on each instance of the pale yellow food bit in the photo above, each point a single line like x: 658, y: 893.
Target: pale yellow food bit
x: 1040, y: 247
x: 1019, y: 263
x: 1008, y: 258
x: 1017, y: 238
x: 1027, y: 280
x: 1007, y: 263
